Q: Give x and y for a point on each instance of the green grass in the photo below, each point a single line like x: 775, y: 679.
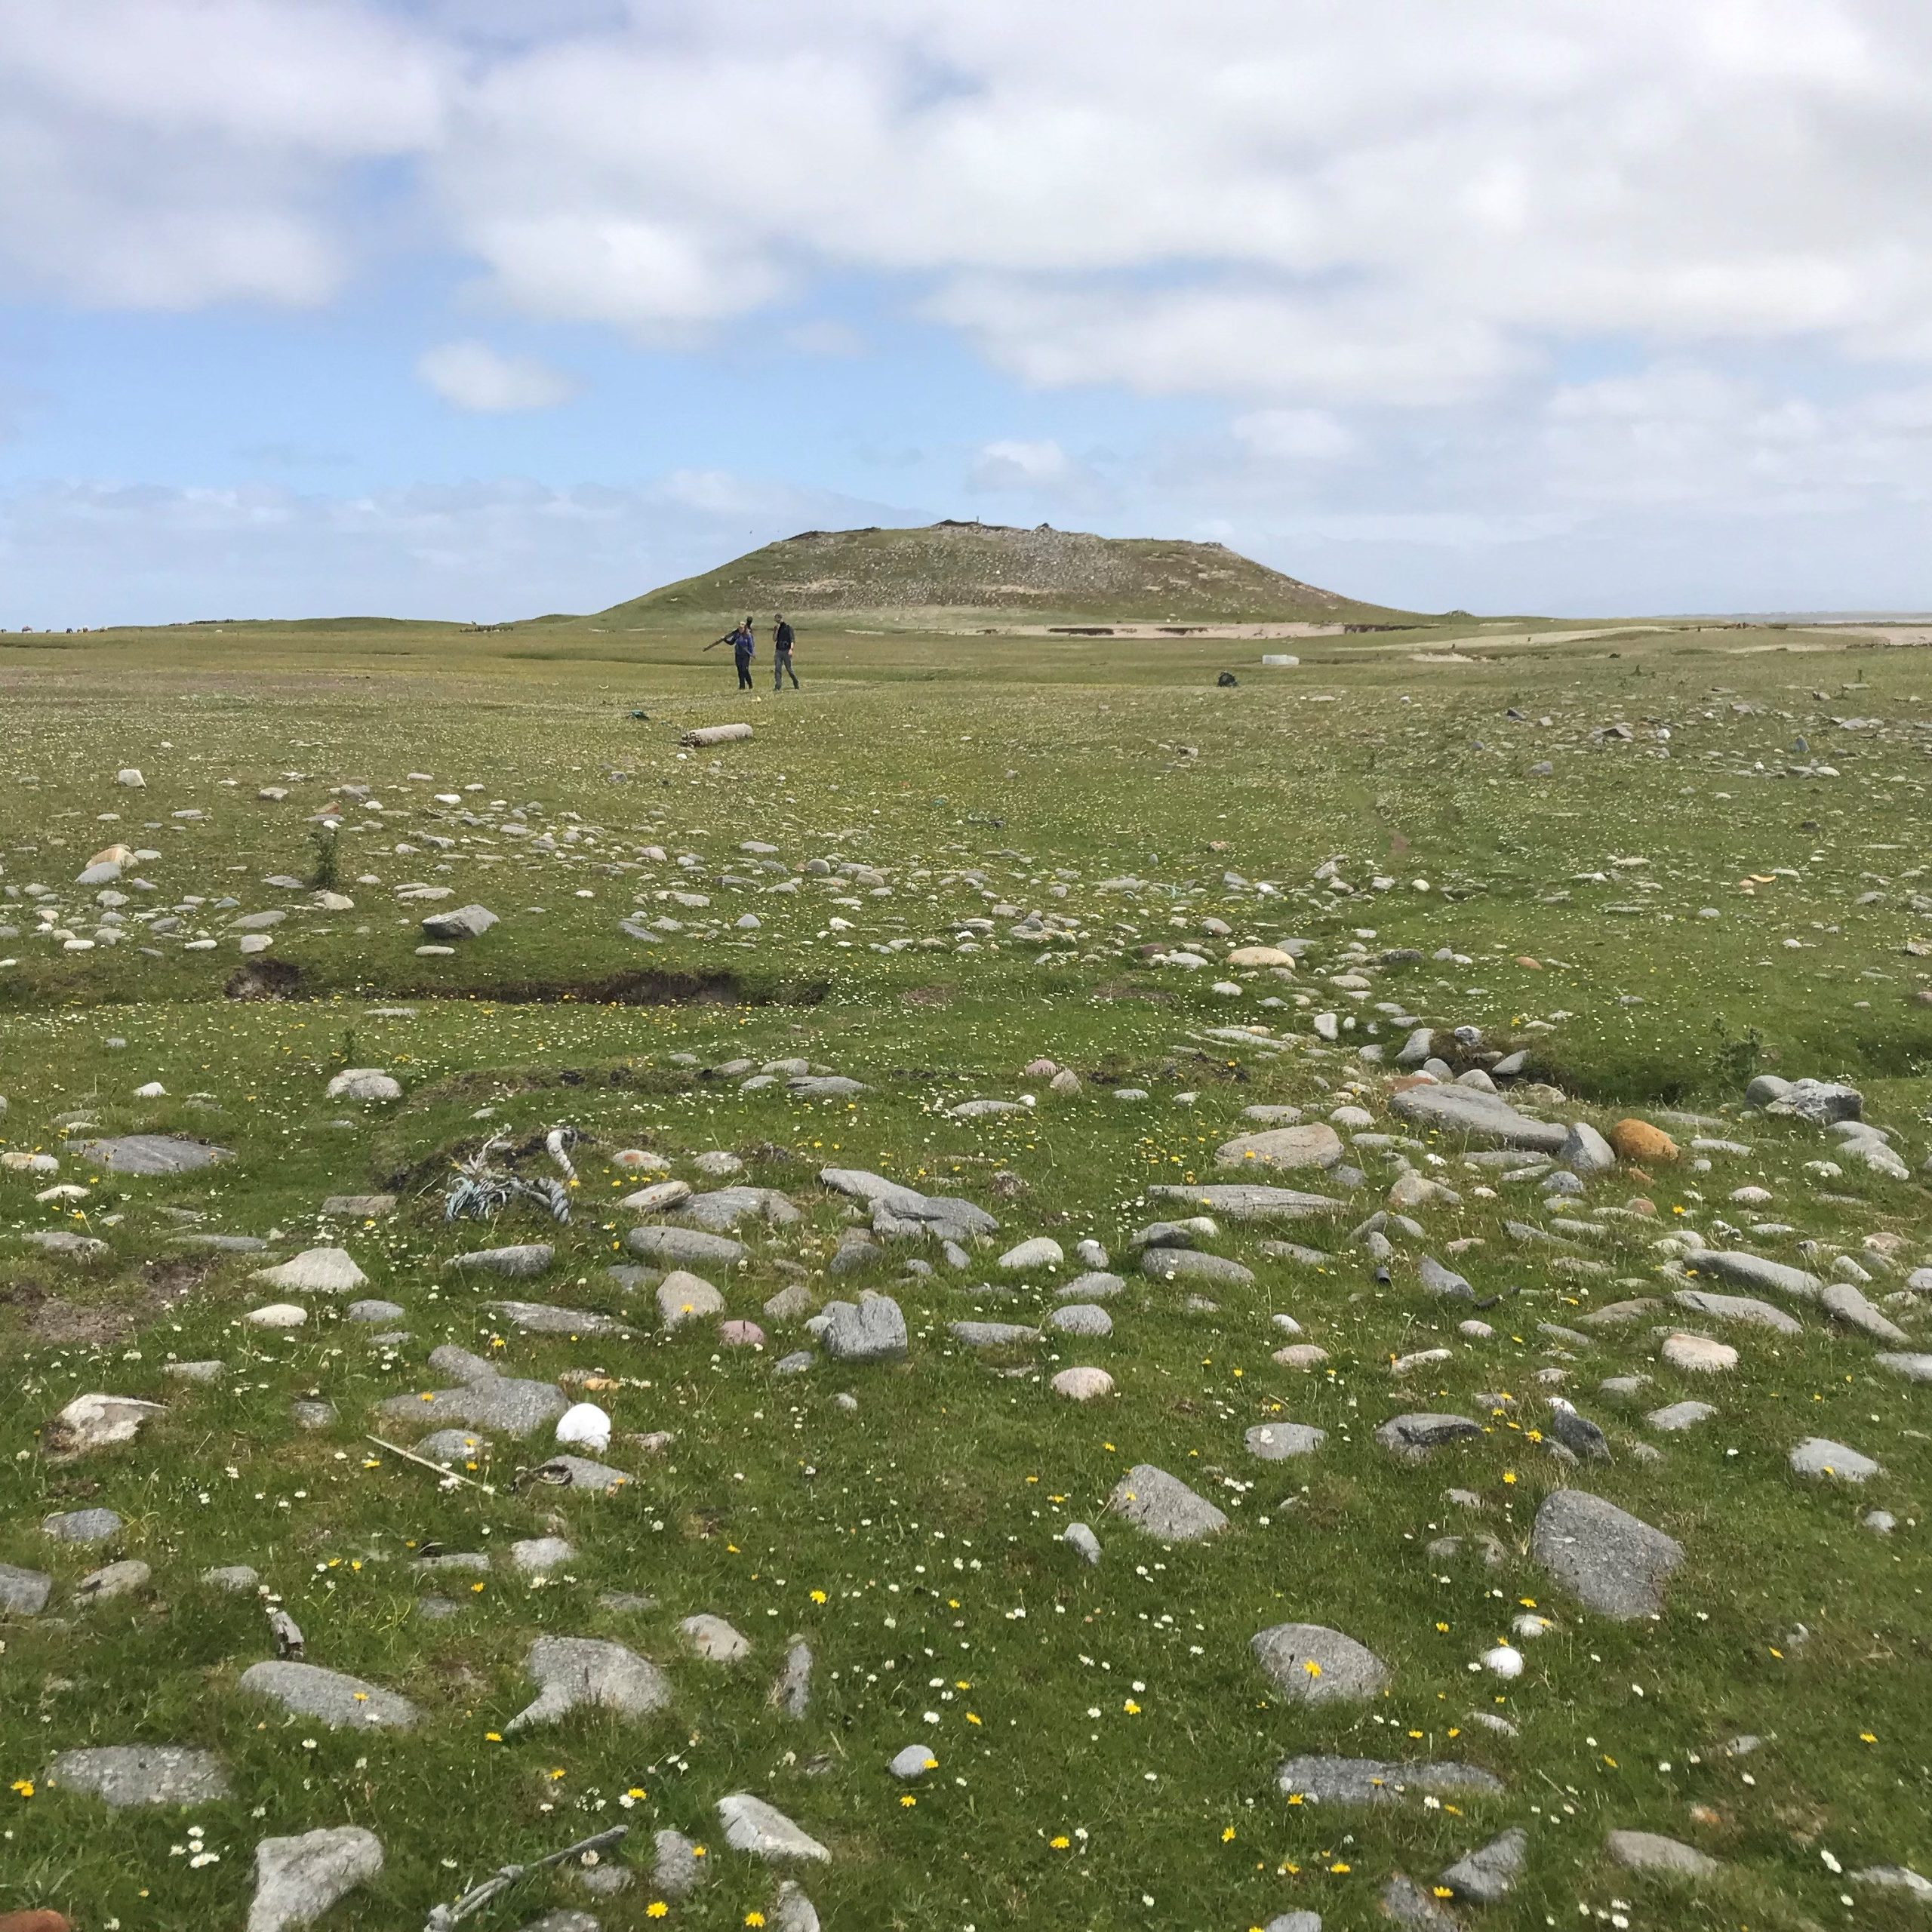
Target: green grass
x: 930, y: 1517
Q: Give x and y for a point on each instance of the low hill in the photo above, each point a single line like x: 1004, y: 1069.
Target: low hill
x: 994, y: 567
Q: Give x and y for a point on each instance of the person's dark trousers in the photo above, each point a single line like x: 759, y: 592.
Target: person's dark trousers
x: 781, y: 669
x: 744, y: 674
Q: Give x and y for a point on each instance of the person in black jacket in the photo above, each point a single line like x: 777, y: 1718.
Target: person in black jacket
x: 781, y: 652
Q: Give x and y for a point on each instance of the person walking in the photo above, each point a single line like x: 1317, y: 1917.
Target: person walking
x: 744, y: 649
x: 782, y: 641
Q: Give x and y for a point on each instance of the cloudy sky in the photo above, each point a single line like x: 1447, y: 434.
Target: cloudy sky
x: 489, y: 307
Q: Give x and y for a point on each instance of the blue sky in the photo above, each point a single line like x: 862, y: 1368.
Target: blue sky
x: 481, y: 309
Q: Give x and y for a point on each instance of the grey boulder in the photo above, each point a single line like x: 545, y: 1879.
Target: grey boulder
x: 330, y: 1697
x: 1164, y: 1506
x: 873, y: 1330
x: 1248, y: 1200
x: 1478, y: 1116
x: 151, y: 1154
x: 465, y: 922
x: 1309, y: 1664
x: 1327, y: 1780
x: 754, y: 1827
x: 298, y: 1879
x: 124, y: 1775
x: 1488, y: 1875
x: 684, y: 1247
x: 574, y: 1670
x: 520, y: 1263
x: 1610, y: 1561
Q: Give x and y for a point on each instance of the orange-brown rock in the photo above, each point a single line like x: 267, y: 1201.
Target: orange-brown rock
x: 32, y: 1921
x: 1638, y: 1140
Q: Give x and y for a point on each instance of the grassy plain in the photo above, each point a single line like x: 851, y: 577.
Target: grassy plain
x: 1106, y: 1745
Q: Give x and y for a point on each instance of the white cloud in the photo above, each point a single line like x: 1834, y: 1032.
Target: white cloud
x: 1295, y: 435
x: 1393, y: 200
x: 1019, y: 466
x: 472, y: 375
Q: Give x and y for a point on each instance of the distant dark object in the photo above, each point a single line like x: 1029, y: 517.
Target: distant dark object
x: 641, y: 714
x: 1227, y: 678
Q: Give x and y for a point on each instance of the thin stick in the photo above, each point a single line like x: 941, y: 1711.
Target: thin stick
x: 423, y: 1463
x: 444, y: 1916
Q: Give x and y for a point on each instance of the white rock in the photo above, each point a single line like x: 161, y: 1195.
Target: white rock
x: 153, y: 1090
x: 277, y: 1315
x: 585, y: 1425
x: 298, y: 1879
x: 316, y: 1271
x: 1699, y: 1353
x: 365, y: 1083
x: 130, y: 776
x: 1042, y: 1251
x: 1504, y: 1661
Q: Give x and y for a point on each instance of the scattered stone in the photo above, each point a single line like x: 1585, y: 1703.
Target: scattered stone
x: 1698, y: 1355
x: 465, y: 922
x: 1819, y: 1456
x: 1479, y: 1116
x: 1412, y: 1437
x: 1649, y: 1851
x: 1611, y: 1562
x: 683, y: 1247
x: 1489, y: 1874
x: 151, y: 1154
x: 574, y: 1670
x: 316, y: 1271
x: 117, y: 1580
x: 1277, y: 1442
x: 1164, y: 1506
x: 1679, y: 1415
x: 1083, y: 1385
x: 363, y: 1083
x: 1083, y: 1539
x: 23, y: 1592
x: 122, y: 1776
x: 1314, y: 1144
x: 754, y: 1827
x: 713, y: 1639
x: 341, y: 1702
x: 520, y: 1263
x: 298, y: 1879
x: 82, y: 1526
x: 873, y: 1330
x: 1327, y: 1780
x: 1309, y: 1664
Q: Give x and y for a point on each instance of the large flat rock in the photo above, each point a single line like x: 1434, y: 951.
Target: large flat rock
x: 574, y: 1670
x: 1307, y: 1663
x: 151, y: 1154
x: 897, y: 1209
x: 1249, y: 1201
x: 125, y: 1775
x: 1610, y: 1561
x: 1314, y: 1144
x: 330, y: 1696
x: 1325, y: 1780
x: 685, y: 1247
x: 1163, y: 1506
x: 1478, y: 1116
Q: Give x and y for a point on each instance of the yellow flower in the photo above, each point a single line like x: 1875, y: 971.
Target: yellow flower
x: 1061, y: 1843
x: 818, y: 1596
x: 493, y: 1737
x: 972, y: 1717
x: 24, y: 1786
x: 1227, y: 1836
x: 657, y: 1909
x: 635, y: 1791
x: 906, y: 1803
x: 754, y: 1918
x: 1508, y: 1475
x: 1340, y: 1866
x: 557, y: 1774
x: 1131, y: 1708
x: 1313, y: 1669
x: 1867, y: 1737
